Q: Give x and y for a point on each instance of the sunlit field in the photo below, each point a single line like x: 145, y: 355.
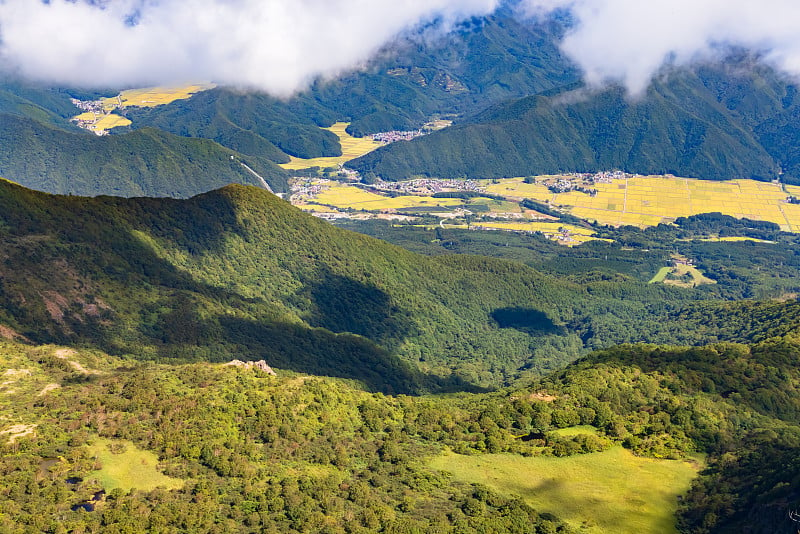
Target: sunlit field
x: 125, y: 466
x: 352, y: 148
x: 153, y: 96
x: 610, y: 492
x: 649, y: 200
x: 111, y: 121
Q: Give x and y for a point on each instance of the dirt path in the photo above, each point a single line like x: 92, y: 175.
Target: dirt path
x: 65, y: 354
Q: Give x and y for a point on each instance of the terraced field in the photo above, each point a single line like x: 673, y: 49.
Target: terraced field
x: 352, y: 148
x: 649, y: 200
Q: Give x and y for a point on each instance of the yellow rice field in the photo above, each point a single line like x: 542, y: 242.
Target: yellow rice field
x: 153, y: 96
x: 310, y: 206
x: 352, y: 148
x: 110, y: 121
x: 649, y: 200
x: 347, y: 196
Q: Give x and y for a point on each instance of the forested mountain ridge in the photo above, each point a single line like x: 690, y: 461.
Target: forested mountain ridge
x: 713, y: 123
x: 240, y: 271
x: 146, y: 162
x: 253, y: 124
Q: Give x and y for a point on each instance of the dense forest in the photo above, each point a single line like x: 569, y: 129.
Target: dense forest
x: 251, y: 452
x: 49, y: 158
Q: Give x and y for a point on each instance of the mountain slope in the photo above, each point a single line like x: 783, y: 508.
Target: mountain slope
x: 253, y: 124
x: 240, y: 271
x: 146, y: 162
x: 679, y: 127
x: 482, y: 62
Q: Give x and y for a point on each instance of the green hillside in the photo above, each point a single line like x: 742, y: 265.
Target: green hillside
x: 240, y: 271
x: 141, y: 294
x: 253, y: 124
x: 45, y: 104
x: 242, y: 451
x: 142, y: 163
x: 482, y: 62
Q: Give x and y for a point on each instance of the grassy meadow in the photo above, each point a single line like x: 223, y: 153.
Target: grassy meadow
x: 610, y: 492
x: 127, y: 467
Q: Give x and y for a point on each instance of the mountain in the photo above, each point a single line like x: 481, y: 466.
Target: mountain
x: 690, y: 123
x: 481, y: 62
x: 238, y: 270
x: 45, y: 104
x: 146, y: 162
x: 253, y: 124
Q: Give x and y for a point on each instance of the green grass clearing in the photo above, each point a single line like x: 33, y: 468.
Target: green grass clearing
x: 129, y: 467
x: 661, y: 275
x: 687, y: 271
x: 610, y: 492
x: 575, y: 431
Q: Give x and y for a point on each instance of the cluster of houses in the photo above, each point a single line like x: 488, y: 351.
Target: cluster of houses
x: 305, y: 189
x: 95, y: 107
x: 603, y: 177
x: 89, y: 106
x: 396, y: 135
x: 578, y: 181
x: 428, y: 186
x: 564, y: 185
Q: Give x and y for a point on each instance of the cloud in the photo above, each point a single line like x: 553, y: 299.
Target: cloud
x: 628, y: 41
x: 280, y: 46
x: 273, y: 45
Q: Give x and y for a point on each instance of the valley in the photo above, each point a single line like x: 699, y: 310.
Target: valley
x: 613, y: 199
x: 400, y: 269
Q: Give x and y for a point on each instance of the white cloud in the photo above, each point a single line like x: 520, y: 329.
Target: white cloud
x: 273, y: 45
x: 628, y: 41
x: 281, y: 45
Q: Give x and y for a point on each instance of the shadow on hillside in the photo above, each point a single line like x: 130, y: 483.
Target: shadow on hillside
x: 341, y: 304
x: 528, y: 320
x: 181, y: 334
